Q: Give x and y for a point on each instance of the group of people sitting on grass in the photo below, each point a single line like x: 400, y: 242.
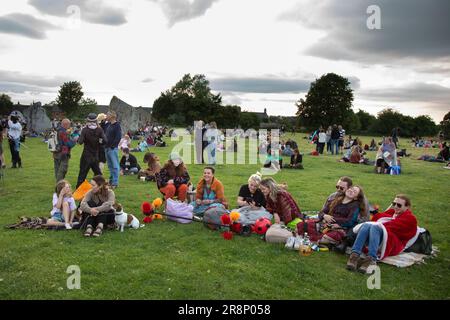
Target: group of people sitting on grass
x: 419, y: 142
x: 344, y: 211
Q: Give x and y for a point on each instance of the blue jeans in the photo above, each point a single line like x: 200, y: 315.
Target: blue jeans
x: 371, y: 234
x: 334, y: 146
x: 112, y: 158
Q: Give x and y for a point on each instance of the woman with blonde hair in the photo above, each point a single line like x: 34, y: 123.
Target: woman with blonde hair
x: 250, y: 194
x: 279, y: 202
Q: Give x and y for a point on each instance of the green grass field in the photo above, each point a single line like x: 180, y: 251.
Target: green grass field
x: 165, y: 260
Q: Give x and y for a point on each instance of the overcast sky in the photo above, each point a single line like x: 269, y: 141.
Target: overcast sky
x: 257, y: 53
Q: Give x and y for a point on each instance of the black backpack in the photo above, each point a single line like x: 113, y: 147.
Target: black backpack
x: 423, y: 244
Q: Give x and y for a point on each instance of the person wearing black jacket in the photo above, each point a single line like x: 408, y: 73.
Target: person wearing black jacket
x: 113, y: 136
x: 334, y: 140
x: 92, y: 136
x: 128, y: 163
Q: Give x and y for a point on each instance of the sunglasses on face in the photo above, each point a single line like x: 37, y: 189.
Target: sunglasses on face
x: 340, y: 188
x: 397, y: 204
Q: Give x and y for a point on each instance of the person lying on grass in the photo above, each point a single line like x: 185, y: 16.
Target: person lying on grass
x: 210, y: 193
x: 64, y: 207
x: 97, y: 203
x: 279, y: 202
x: 386, y: 236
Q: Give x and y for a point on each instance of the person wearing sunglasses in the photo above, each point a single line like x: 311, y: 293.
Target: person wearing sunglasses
x: 387, y: 235
x: 342, y: 185
x: 341, y: 214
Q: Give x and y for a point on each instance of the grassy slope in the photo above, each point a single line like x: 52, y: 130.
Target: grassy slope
x: 165, y: 260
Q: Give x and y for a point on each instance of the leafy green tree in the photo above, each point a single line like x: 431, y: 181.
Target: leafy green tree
x: 425, y: 126
x: 69, y: 97
x: 228, y: 117
x: 365, y: 119
x: 249, y: 120
x: 85, y: 107
x: 388, y: 119
x: 163, y: 108
x: 445, y: 125
x: 351, y: 123
x: 190, y: 97
x: 328, y: 101
x: 6, y: 104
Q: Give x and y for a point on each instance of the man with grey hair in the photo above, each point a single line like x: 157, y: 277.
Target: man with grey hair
x: 62, y: 154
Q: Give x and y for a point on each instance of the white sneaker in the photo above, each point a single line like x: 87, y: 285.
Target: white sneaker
x: 68, y: 226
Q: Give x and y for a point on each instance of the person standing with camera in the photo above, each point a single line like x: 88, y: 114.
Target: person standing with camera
x: 14, y: 134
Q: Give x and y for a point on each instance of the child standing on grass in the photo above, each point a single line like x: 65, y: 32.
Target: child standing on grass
x: 64, y: 206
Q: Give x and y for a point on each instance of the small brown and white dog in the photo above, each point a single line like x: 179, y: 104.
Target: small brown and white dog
x: 124, y: 219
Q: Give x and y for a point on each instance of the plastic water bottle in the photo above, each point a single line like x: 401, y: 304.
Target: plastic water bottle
x: 306, y: 240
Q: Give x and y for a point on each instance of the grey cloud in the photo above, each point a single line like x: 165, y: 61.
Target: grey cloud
x: 31, y: 80
x: 17, y: 87
x: 24, y: 25
x: 93, y: 11
x: 267, y: 84
x: 410, y: 29
x: 183, y: 10
x: 231, y: 98
x: 147, y: 80
x: 260, y: 85
x: 416, y: 92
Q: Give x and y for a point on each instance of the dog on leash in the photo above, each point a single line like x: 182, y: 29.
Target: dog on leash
x: 124, y: 219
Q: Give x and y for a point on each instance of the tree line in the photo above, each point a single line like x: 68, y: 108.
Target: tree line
x: 329, y: 101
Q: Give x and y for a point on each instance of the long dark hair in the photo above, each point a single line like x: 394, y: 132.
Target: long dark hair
x: 361, y: 201
x: 175, y: 171
x: 103, y: 186
x: 150, y: 159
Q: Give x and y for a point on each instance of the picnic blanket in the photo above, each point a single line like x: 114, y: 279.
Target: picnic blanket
x: 404, y: 259
x: 41, y: 223
x: 31, y: 223
x: 407, y: 259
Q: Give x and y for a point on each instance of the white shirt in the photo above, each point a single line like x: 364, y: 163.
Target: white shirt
x: 322, y: 137
x: 15, y: 130
x: 70, y: 201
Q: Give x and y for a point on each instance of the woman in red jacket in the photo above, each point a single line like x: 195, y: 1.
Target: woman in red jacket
x: 279, y: 202
x: 386, y: 235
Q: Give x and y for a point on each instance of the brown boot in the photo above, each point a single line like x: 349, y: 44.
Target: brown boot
x: 366, y: 263
x: 352, y: 263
